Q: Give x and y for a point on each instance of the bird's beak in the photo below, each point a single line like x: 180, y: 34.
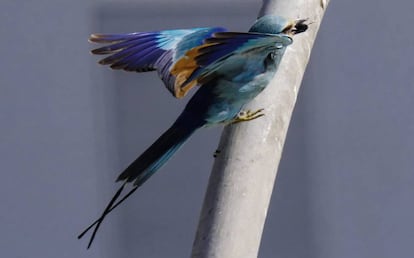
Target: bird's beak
x: 299, y: 26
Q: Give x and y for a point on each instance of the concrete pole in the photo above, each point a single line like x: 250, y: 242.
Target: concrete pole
x: 241, y: 183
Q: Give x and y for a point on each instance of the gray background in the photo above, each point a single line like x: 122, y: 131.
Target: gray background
x: 68, y: 126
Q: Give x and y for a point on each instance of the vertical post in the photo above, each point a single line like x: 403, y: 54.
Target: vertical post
x: 241, y: 183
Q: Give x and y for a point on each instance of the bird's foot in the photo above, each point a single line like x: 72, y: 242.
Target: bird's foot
x: 247, y: 115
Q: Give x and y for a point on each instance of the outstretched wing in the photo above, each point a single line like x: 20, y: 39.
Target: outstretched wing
x: 149, y: 51
x: 201, y: 63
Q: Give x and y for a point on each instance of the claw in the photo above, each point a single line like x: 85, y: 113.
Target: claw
x: 247, y: 115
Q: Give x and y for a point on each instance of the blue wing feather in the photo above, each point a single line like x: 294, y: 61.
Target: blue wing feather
x: 148, y: 60
x: 139, y: 56
x: 123, y: 55
x: 111, y: 38
x: 194, y: 39
x: 148, y: 51
x: 221, y: 45
x: 117, y: 45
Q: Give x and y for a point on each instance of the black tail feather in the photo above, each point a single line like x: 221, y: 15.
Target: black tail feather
x: 146, y: 165
x: 107, y: 210
x: 158, y: 153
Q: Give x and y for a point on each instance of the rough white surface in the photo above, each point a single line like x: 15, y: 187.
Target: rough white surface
x: 241, y: 183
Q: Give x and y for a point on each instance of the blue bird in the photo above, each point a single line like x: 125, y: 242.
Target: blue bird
x: 229, y: 68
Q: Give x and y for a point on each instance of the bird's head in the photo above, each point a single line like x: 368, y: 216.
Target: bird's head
x: 278, y: 25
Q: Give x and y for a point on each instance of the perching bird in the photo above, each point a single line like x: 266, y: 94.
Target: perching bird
x: 229, y: 68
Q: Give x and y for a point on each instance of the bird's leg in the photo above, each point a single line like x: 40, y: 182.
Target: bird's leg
x: 247, y: 115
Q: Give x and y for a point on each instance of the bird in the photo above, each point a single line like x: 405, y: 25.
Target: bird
x: 228, y: 69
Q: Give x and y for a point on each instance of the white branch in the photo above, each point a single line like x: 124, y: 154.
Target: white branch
x: 241, y: 183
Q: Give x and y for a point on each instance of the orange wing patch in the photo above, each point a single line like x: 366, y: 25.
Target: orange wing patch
x: 184, y: 68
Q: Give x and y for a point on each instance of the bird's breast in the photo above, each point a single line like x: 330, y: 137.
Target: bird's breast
x: 231, y: 96
x: 242, y: 89
x: 238, y: 81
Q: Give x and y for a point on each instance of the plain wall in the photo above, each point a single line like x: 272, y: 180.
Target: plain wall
x: 69, y: 126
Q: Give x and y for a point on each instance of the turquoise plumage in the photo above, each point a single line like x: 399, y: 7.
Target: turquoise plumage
x: 229, y: 68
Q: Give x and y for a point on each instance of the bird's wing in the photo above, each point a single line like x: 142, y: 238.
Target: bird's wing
x: 201, y: 63
x: 148, y: 51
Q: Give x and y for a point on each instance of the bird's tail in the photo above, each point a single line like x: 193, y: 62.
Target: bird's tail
x: 146, y: 165
x: 157, y: 154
